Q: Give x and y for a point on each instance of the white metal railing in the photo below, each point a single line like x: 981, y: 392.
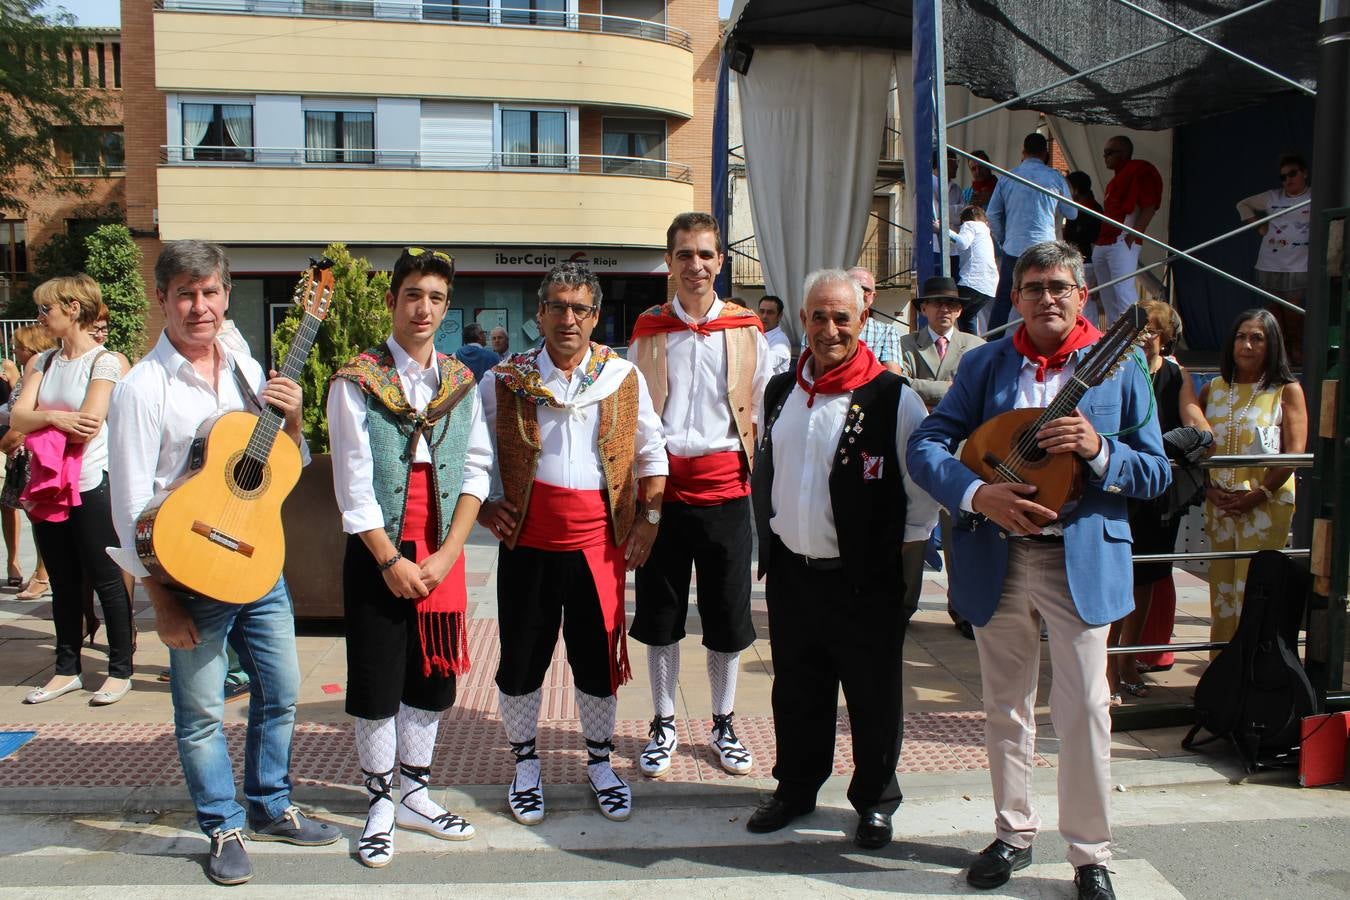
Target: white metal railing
x: 493, y: 13
x: 7, y: 329
x: 469, y: 161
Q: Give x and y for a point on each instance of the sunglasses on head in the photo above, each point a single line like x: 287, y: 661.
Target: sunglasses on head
x: 439, y: 254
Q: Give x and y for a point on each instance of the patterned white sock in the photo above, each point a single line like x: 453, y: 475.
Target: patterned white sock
x: 520, y: 720
x: 597, y: 727
x: 663, y: 670
x: 722, y: 671
x: 416, y: 743
x: 376, y: 747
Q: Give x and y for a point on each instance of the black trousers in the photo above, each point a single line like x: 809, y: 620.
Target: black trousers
x: 824, y: 636
x: 76, y: 555
x: 538, y: 590
x: 716, y: 541
x: 384, y: 648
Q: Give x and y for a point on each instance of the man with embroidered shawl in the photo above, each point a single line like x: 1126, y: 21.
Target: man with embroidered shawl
x: 706, y: 364
x: 576, y: 437
x: 411, y: 464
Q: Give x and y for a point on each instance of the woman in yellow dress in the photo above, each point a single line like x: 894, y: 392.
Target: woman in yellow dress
x: 1255, y: 407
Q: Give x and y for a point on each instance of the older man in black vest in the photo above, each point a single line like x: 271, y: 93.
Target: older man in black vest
x: 832, y: 505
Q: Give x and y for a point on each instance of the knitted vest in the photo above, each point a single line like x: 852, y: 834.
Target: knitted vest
x: 519, y: 449
x: 395, y: 429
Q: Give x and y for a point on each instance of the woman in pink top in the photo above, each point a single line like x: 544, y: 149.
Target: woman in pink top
x: 68, y: 389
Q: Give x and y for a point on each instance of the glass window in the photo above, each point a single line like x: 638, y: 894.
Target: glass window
x: 534, y: 138
x: 534, y: 12
x: 218, y: 131
x: 13, y: 250
x: 640, y: 18
x: 636, y: 140
x: 90, y: 153
x: 456, y: 10
x: 339, y: 7
x: 339, y: 137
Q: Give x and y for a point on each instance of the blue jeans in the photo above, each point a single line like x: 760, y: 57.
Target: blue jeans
x: 263, y: 634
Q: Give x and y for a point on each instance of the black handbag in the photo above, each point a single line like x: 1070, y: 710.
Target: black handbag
x: 16, y: 479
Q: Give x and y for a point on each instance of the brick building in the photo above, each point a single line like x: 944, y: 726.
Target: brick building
x: 511, y: 133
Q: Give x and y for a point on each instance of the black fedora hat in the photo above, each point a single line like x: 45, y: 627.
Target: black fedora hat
x: 939, y: 287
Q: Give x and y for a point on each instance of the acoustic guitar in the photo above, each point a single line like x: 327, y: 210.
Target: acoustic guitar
x: 1004, y: 449
x: 216, y: 531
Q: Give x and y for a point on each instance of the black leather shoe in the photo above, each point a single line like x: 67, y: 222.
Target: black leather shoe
x: 1094, y: 883
x: 995, y: 865
x: 774, y: 815
x: 874, y: 831
x: 967, y: 630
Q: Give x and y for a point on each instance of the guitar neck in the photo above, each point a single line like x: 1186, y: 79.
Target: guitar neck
x: 270, y: 420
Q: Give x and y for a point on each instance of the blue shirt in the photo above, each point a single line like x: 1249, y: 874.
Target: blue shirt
x: 1020, y: 216
x: 478, y: 358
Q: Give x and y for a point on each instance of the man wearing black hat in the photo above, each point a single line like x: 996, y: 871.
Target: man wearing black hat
x: 929, y: 358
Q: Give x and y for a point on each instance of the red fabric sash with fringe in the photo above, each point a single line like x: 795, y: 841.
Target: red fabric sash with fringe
x: 441, y: 620
x: 708, y: 480
x: 560, y: 520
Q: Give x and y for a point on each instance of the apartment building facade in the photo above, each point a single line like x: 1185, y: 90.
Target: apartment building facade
x: 510, y: 133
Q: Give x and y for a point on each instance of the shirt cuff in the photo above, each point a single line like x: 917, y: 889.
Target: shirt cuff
x: 1099, y: 463
x: 363, y: 518
x: 968, y: 498
x: 653, y: 467
x: 128, y: 561
x: 477, y: 486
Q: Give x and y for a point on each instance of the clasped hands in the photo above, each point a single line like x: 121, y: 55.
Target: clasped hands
x: 1009, y: 504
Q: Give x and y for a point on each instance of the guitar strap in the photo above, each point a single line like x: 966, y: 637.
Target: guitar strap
x: 245, y: 389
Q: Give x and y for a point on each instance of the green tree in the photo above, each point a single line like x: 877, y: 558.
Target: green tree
x: 114, y: 261
x: 43, y: 103
x: 357, y: 320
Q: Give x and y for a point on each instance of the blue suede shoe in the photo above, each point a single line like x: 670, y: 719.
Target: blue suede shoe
x: 292, y: 827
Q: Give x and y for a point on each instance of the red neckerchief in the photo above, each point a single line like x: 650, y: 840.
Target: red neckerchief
x: 1081, y: 335
x: 663, y: 320
x: 849, y: 375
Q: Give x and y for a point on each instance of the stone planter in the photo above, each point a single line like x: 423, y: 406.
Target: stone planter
x: 315, y: 543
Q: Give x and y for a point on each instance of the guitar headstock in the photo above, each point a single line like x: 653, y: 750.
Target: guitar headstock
x: 1125, y: 334
x: 314, y: 290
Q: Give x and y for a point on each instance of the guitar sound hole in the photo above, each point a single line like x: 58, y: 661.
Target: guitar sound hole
x: 1035, y: 454
x: 248, y: 474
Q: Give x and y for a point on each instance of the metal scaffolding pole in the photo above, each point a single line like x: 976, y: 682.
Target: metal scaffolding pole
x: 940, y: 129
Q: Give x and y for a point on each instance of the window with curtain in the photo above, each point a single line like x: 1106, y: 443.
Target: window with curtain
x: 457, y: 10
x: 639, y: 139
x: 222, y: 132
x: 339, y: 137
x: 534, y: 138
x: 550, y: 13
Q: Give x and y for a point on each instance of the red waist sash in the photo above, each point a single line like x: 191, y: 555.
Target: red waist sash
x: 708, y: 480
x: 560, y: 520
x: 441, y: 623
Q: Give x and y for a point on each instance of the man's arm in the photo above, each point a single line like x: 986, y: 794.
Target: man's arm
x: 995, y: 212
x: 921, y: 510
x: 1066, y: 209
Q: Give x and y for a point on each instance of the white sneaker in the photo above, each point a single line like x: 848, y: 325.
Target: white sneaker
x: 731, y: 753
x: 655, y: 759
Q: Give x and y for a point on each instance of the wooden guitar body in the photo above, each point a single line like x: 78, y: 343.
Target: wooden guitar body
x: 216, y: 532
x: 1058, y: 477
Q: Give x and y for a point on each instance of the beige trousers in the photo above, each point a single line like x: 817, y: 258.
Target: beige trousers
x: 1010, y: 651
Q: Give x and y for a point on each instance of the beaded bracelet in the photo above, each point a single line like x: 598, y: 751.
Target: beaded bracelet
x: 389, y: 563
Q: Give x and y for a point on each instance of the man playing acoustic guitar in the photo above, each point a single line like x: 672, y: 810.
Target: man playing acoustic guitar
x: 411, y: 464
x: 156, y: 409
x: 1074, y: 572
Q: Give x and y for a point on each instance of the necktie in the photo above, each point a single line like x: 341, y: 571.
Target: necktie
x: 942, y: 347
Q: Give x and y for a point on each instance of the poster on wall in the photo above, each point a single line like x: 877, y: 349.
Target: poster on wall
x: 490, y: 318
x: 451, y: 333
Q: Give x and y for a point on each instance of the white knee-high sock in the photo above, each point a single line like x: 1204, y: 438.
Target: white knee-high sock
x: 417, y: 730
x: 377, y: 749
x: 663, y: 669
x: 722, y: 671
x: 520, y: 720
x: 597, y: 727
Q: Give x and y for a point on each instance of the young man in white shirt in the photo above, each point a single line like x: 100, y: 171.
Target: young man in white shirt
x: 187, y: 378
x: 780, y: 349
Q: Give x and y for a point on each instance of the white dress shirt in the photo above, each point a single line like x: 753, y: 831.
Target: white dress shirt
x: 805, y: 444
x: 153, y: 419
x: 353, y: 463
x: 780, y: 350
x: 1033, y: 394
x: 697, y: 415
x: 568, y: 436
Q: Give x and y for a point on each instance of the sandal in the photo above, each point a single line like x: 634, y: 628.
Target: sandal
x: 35, y: 593
x: 1136, y: 689
x: 15, y: 581
x: 1116, y: 700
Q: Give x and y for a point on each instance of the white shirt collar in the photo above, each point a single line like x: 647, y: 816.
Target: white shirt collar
x: 713, y: 311
x: 406, y: 365
x: 549, y: 372
x: 948, y: 335
x: 177, y: 363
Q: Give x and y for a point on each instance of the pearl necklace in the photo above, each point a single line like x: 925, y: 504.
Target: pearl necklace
x: 1231, y: 438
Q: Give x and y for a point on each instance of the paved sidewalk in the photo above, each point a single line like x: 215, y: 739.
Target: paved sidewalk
x: 113, y: 754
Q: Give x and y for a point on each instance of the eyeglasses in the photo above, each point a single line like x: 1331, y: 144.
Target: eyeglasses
x: 99, y: 329
x: 1035, y: 290
x: 43, y: 309
x: 439, y: 254
x: 1291, y: 174
x: 558, y: 309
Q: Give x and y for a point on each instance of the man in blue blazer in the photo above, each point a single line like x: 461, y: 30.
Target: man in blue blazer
x: 1074, y: 573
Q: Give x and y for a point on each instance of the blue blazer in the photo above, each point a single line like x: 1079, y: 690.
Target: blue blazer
x: 1096, y: 531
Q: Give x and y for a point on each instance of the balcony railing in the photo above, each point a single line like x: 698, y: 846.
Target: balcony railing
x: 467, y: 161
x: 448, y: 13
x: 892, y: 265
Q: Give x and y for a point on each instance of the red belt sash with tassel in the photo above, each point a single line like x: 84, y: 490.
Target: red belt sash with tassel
x: 560, y: 520
x: 441, y: 614
x: 708, y: 480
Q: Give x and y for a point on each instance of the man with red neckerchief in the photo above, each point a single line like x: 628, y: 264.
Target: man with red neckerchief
x: 706, y: 364
x: 832, y: 506
x: 1073, y: 573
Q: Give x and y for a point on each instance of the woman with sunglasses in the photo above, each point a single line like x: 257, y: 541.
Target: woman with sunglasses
x: 66, y: 390
x: 1282, y: 261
